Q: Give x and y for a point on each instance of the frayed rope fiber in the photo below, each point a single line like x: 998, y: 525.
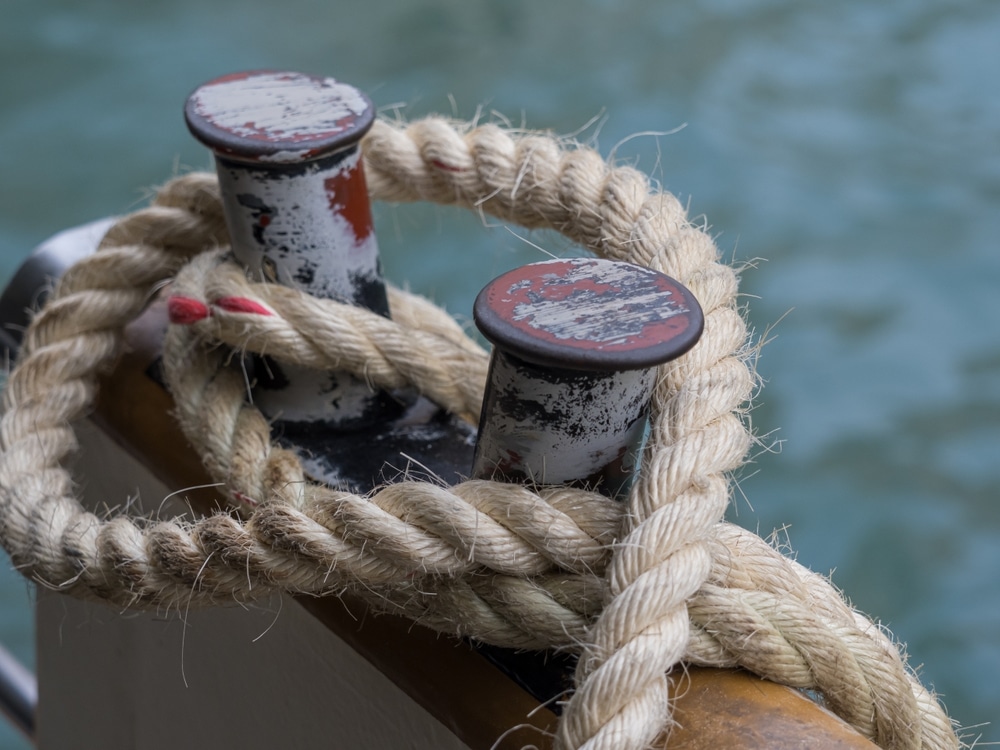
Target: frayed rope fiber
x: 636, y: 590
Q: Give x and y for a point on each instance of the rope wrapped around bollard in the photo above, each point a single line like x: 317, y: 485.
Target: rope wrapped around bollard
x: 636, y: 589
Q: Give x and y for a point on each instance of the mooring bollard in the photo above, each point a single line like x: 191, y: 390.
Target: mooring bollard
x: 576, y: 345
x: 287, y: 152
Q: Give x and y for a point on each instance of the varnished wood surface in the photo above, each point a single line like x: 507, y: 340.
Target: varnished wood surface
x: 722, y: 708
x: 455, y: 684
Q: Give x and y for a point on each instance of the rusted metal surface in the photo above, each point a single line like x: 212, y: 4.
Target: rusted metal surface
x: 279, y: 117
x: 576, y: 343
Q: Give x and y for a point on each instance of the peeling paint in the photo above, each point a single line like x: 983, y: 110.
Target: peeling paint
x: 256, y: 106
x: 312, y: 229
x: 589, y: 309
x: 554, y: 427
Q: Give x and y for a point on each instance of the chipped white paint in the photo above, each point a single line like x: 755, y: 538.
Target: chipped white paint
x: 315, y: 396
x: 285, y: 227
x: 607, y: 303
x: 296, y: 206
x: 283, y: 157
x: 289, y: 228
x: 577, y: 341
x: 280, y: 107
x: 561, y: 429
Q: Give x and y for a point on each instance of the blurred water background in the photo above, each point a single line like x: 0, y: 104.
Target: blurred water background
x: 854, y: 147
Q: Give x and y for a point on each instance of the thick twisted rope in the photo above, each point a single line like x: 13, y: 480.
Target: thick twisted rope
x: 496, y: 562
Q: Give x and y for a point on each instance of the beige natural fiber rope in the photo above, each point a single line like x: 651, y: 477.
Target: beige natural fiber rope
x: 636, y: 590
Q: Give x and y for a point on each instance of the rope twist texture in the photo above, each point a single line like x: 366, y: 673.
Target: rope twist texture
x: 636, y: 589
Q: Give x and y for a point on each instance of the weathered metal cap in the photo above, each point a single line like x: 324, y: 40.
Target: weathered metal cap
x: 589, y: 314
x: 277, y: 117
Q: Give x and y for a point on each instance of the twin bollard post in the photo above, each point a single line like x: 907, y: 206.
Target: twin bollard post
x: 287, y: 152
x: 576, y: 341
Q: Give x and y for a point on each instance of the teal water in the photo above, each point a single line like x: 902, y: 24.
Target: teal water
x: 854, y: 147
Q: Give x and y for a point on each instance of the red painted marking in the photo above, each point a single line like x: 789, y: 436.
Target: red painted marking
x: 254, y: 132
x: 242, y: 305
x: 510, y: 461
x: 240, y: 497
x: 185, y: 310
x: 264, y: 220
x: 241, y: 76
x: 521, y: 287
x: 446, y: 167
x: 347, y: 193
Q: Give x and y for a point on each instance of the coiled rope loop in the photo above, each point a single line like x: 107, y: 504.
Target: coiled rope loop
x: 663, y: 580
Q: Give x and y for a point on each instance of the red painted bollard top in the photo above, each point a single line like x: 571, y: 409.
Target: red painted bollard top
x: 576, y: 343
